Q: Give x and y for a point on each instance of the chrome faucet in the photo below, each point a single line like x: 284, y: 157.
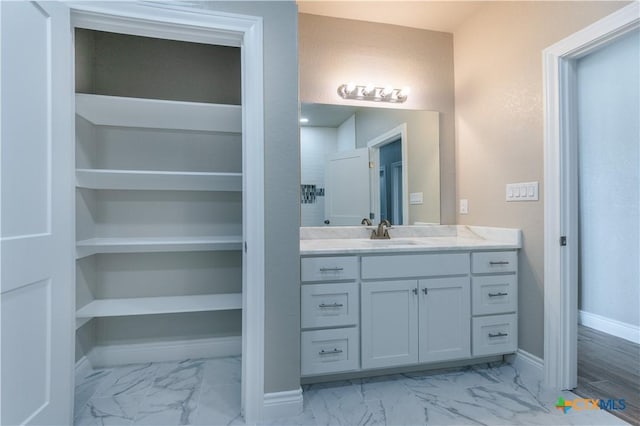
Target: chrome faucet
x: 382, y: 232
x: 365, y: 221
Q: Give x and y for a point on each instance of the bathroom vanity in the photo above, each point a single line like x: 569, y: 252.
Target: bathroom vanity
x: 429, y: 294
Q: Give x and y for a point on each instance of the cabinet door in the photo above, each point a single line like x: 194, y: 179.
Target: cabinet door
x: 445, y: 319
x: 389, y: 323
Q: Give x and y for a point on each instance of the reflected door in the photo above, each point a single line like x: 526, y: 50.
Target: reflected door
x: 347, y: 187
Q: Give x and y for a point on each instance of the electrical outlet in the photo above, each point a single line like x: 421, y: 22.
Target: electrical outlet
x: 464, y: 206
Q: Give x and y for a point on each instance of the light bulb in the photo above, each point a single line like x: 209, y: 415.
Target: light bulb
x: 304, y: 120
x: 387, y: 91
x: 368, y: 90
x: 351, y: 86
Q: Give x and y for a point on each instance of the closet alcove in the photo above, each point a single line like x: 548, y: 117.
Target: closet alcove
x: 158, y: 199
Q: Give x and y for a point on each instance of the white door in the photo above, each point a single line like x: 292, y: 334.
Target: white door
x: 347, y: 187
x: 445, y: 319
x: 389, y: 323
x: 36, y: 234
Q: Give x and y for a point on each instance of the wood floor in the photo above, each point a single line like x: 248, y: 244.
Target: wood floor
x: 609, y: 368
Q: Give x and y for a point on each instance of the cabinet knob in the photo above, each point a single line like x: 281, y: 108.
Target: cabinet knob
x: 425, y: 290
x: 415, y: 291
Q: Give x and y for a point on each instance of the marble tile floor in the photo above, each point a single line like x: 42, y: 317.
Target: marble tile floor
x: 207, y: 392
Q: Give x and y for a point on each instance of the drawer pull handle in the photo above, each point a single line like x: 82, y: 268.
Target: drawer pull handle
x: 499, y: 262
x: 498, y: 335
x: 333, y: 305
x: 336, y: 269
x: 335, y: 351
x: 498, y: 294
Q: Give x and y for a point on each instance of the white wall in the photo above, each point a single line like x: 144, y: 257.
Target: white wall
x: 315, y: 144
x: 609, y: 129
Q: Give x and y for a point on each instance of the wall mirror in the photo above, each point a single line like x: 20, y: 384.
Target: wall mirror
x: 378, y: 163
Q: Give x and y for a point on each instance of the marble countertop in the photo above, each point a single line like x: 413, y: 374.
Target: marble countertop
x: 355, y: 240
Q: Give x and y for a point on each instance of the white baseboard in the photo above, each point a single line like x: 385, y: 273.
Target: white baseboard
x: 528, y: 363
x: 282, y: 404
x: 610, y: 326
x: 112, y: 355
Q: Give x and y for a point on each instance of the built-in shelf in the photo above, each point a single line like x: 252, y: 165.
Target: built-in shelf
x: 160, y: 305
x: 159, y: 114
x: 148, y: 245
x: 157, y: 180
x: 82, y: 321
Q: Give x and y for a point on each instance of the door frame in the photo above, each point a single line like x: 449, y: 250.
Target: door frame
x: 165, y: 20
x: 561, y: 196
x: 374, y: 146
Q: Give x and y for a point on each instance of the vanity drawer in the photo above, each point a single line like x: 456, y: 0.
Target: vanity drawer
x: 494, y: 294
x: 329, y: 268
x: 329, y: 305
x: 487, y: 262
x: 415, y: 265
x: 330, y: 351
x: 493, y: 335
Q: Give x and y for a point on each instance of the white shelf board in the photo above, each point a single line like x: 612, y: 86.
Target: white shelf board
x: 149, y: 245
x: 104, y: 110
x: 160, y: 305
x: 81, y: 321
x: 157, y: 180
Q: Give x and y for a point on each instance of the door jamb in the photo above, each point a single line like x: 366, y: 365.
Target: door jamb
x: 561, y: 199
x: 374, y: 146
x: 165, y: 20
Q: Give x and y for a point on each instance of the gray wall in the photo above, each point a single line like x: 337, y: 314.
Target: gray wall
x: 144, y: 67
x: 609, y: 136
x: 335, y: 51
x: 282, y: 184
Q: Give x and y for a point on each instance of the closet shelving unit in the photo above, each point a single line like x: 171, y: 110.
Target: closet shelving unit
x: 105, y: 183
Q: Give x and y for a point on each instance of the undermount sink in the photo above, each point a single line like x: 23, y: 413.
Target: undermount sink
x: 394, y: 242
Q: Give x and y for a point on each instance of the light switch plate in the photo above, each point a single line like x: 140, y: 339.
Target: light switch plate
x: 416, y: 198
x: 524, y: 191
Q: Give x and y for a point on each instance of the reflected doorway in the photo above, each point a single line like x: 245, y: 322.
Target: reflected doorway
x: 390, y: 172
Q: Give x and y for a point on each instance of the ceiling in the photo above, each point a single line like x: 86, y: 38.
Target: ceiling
x: 325, y: 115
x: 443, y: 16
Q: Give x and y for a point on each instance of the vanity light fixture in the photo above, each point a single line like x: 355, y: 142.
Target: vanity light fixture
x: 374, y: 93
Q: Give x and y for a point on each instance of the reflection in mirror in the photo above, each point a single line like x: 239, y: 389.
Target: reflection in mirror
x: 365, y: 162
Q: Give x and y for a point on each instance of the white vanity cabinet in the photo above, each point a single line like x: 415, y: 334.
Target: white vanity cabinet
x: 375, y: 310
x: 422, y: 315
x: 329, y: 299
x: 495, y: 301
